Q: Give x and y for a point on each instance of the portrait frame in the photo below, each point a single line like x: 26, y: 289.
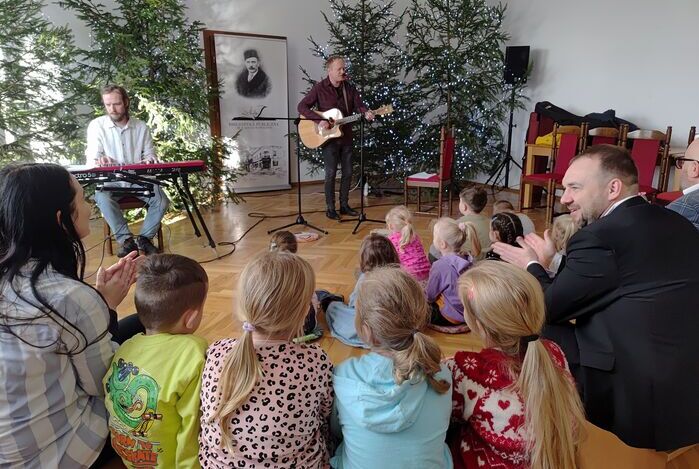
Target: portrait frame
x: 252, y: 108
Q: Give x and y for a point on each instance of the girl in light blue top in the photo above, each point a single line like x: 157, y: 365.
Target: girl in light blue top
x: 376, y: 251
x: 392, y: 406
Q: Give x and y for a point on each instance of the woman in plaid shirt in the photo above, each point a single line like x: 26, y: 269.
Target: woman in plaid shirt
x: 55, y: 335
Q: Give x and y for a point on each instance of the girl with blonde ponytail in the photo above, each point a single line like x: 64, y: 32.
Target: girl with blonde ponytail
x: 392, y: 405
x: 265, y: 399
x: 451, y: 240
x: 515, y: 400
x: 408, y: 244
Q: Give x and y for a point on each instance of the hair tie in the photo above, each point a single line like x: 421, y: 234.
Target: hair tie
x: 415, y: 331
x: 529, y: 338
x: 247, y: 327
x: 272, y: 246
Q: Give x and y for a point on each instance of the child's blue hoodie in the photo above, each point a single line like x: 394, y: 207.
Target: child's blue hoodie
x: 385, y: 425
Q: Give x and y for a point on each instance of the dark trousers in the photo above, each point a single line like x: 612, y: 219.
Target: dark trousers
x: 335, y: 152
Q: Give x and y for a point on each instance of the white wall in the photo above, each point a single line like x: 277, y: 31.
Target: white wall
x: 638, y: 57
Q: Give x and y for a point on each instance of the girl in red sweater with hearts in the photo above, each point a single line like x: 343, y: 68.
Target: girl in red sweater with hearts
x: 514, y: 403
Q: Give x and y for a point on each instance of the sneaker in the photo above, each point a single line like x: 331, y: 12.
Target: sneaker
x: 128, y: 246
x: 325, y: 298
x: 146, y: 246
x: 347, y: 210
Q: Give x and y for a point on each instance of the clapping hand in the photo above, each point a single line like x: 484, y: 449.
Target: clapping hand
x: 544, y: 247
x: 115, y: 281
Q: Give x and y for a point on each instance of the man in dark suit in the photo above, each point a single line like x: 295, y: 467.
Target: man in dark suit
x: 252, y: 82
x: 630, y: 285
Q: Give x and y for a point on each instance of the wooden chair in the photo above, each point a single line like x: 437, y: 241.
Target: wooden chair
x: 571, y: 138
x: 648, y: 148
x: 128, y: 203
x: 664, y: 198
x: 439, y: 180
x: 604, y: 135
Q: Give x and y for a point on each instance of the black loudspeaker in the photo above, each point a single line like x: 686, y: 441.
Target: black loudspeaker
x: 516, y: 64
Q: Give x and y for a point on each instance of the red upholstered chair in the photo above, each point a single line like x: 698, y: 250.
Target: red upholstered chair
x: 439, y: 180
x: 648, y: 148
x: 128, y: 203
x: 664, y: 198
x: 571, y: 137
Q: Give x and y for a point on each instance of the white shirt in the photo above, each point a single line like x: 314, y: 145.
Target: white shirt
x: 251, y: 76
x: 617, y: 203
x: 126, y: 145
x: 693, y: 188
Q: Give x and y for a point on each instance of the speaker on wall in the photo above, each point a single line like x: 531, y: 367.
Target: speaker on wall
x: 516, y: 64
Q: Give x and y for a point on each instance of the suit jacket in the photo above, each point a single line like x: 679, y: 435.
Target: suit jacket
x: 258, y: 87
x: 631, y: 282
x: 688, y: 207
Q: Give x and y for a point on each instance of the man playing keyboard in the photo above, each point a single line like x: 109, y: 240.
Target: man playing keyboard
x: 116, y: 139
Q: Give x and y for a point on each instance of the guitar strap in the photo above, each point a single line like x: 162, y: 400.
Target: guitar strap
x: 344, y: 94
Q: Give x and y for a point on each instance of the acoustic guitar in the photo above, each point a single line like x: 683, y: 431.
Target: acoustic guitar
x: 312, y: 136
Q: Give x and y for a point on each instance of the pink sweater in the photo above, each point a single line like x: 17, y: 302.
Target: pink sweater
x: 284, y: 421
x: 412, y: 256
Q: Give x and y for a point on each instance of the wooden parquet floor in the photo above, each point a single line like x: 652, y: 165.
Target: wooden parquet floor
x: 334, y: 256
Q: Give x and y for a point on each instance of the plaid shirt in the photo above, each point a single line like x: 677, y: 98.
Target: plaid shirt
x: 51, y: 404
x: 688, y: 207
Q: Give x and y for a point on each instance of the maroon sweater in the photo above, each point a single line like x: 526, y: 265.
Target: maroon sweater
x: 324, y: 96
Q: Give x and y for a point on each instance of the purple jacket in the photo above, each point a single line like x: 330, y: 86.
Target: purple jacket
x: 443, y: 281
x: 324, y: 96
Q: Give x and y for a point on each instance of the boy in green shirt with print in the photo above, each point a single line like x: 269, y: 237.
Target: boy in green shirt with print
x: 152, y: 388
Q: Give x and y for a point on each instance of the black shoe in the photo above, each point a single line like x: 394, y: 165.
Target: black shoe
x: 146, y: 246
x: 325, y: 298
x: 332, y: 214
x: 347, y: 210
x: 128, y: 246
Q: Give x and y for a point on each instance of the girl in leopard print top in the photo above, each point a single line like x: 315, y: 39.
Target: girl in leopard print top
x: 266, y: 400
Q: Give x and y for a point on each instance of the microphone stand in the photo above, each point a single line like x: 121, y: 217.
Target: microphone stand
x: 299, y: 215
x: 362, y: 215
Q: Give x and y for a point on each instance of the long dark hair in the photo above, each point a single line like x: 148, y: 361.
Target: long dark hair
x: 30, y: 197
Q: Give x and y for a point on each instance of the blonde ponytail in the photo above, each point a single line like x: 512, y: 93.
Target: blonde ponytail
x: 239, y: 374
x: 274, y: 291
x: 391, y: 314
x: 504, y: 316
x: 472, y: 238
x: 461, y: 241
x: 400, y: 218
x: 548, y: 394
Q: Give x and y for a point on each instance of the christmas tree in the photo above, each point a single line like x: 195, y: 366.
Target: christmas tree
x: 455, y: 55
x: 364, y: 32
x: 41, y: 86
x: 152, y: 50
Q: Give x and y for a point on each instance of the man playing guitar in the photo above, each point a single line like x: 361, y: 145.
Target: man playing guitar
x: 335, y: 92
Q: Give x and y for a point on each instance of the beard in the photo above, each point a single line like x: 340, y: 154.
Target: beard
x: 118, y: 117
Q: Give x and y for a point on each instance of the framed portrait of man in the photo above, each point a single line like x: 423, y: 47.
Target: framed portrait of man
x: 252, y: 69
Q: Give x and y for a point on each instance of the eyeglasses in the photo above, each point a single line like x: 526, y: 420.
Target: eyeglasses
x: 679, y: 162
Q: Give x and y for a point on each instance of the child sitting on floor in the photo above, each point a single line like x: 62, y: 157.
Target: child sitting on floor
x: 285, y: 241
x: 500, y: 206
x: 505, y: 227
x: 472, y: 201
x: 564, y: 227
x: 450, y: 238
x: 408, y: 244
x: 515, y: 402
x: 152, y: 389
x: 392, y: 405
x: 375, y: 251
x: 266, y: 400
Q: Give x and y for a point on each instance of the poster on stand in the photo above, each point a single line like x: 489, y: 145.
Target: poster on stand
x: 254, y: 101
